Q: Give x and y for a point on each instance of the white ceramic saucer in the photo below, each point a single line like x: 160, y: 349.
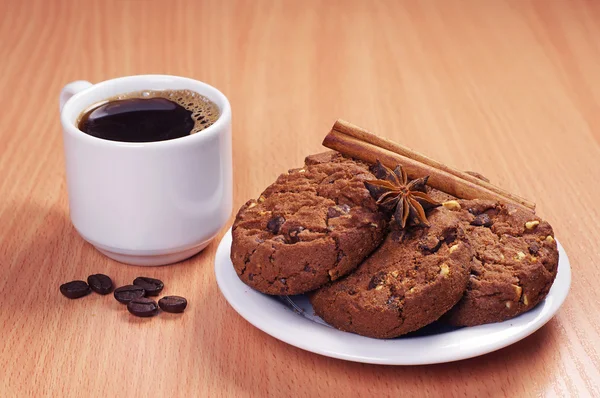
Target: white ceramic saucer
x: 291, y: 319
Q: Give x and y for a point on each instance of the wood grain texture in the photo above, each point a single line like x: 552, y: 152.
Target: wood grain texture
x: 508, y: 88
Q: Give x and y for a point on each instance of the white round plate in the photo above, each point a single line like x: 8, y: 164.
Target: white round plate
x: 291, y: 319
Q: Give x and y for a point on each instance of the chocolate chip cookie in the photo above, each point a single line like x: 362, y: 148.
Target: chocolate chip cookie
x: 312, y: 226
x: 411, y: 280
x: 516, y: 260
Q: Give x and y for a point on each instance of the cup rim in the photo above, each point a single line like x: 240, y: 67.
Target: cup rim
x: 206, y: 134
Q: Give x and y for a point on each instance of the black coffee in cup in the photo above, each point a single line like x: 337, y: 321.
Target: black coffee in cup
x: 147, y: 116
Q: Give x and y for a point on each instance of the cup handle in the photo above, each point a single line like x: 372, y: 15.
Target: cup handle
x: 71, y: 89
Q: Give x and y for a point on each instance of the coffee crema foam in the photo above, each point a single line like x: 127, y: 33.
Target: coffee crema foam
x: 204, y: 112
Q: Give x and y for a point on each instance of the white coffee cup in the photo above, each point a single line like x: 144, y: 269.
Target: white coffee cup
x: 150, y: 203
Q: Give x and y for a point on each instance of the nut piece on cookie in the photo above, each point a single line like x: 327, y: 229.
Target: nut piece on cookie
x: 532, y: 224
x: 444, y: 269
x: 518, y: 290
x: 451, y: 205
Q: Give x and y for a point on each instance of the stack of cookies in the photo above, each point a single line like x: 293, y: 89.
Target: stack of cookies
x: 380, y: 264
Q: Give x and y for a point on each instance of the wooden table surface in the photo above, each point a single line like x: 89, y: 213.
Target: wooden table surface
x: 507, y: 88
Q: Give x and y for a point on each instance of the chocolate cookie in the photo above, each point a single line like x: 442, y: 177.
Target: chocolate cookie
x: 411, y: 280
x: 312, y: 226
x: 516, y: 261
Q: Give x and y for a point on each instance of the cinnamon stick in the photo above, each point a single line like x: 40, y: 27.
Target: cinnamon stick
x: 358, y: 143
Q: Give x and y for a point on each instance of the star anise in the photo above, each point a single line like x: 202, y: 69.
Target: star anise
x: 394, y: 193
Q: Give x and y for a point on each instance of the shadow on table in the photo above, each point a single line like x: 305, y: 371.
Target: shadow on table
x: 262, y: 358
x: 48, y: 251
x: 36, y: 253
x: 35, y: 238
x: 38, y: 259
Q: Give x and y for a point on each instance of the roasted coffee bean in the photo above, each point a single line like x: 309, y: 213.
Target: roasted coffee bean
x: 482, y: 220
x: 294, y: 232
x: 75, y: 289
x: 143, y: 307
x: 125, y: 294
x: 275, y: 224
x: 152, y: 286
x: 100, y: 283
x: 173, y: 304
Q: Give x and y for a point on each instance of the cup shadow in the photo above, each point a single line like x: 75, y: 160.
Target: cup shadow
x: 42, y: 256
x: 53, y: 253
